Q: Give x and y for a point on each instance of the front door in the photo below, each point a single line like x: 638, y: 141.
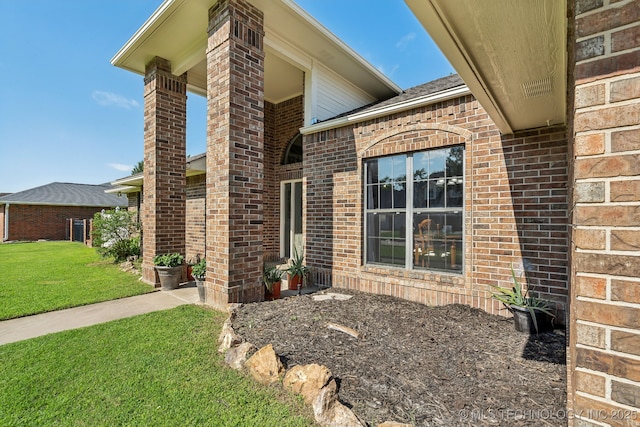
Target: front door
x: 291, y: 218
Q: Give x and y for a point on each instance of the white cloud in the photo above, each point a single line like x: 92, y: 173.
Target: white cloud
x: 120, y: 167
x: 405, y: 40
x: 109, y: 99
x: 388, y: 72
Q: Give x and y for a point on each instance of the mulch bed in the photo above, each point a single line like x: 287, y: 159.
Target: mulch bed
x: 428, y: 366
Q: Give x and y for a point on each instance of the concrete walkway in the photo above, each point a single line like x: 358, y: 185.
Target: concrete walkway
x: 42, y: 324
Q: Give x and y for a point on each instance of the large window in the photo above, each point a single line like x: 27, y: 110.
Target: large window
x: 429, y: 204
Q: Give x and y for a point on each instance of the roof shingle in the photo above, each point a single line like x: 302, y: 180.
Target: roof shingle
x: 66, y: 194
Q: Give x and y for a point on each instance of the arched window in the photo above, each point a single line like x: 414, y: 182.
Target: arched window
x: 294, y: 151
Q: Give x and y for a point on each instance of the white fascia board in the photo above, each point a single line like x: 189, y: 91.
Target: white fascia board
x: 442, y: 33
x: 342, y: 45
x: 129, y: 180
x: 153, y: 21
x: 122, y: 189
x: 388, y: 110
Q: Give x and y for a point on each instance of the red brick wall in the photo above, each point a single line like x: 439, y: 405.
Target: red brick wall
x: 235, y: 153
x: 515, y: 205
x: 34, y: 222
x: 604, y: 355
x: 282, y: 122
x: 195, y: 220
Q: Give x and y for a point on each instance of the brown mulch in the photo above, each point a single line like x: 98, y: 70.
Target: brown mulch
x: 428, y: 366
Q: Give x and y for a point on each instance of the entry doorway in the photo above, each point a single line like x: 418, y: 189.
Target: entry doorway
x: 290, y: 218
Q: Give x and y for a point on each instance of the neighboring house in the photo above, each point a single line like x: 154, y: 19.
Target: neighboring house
x: 44, y: 212
x: 431, y: 194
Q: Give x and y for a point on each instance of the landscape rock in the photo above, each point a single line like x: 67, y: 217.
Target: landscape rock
x: 228, y: 338
x: 330, y: 296
x: 394, y: 424
x: 307, y: 380
x: 329, y: 412
x: 237, y: 356
x: 265, y: 366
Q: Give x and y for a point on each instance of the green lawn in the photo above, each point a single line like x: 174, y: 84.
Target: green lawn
x: 158, y: 369
x: 45, y: 276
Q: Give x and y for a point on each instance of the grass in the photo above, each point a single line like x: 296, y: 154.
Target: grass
x: 45, y: 276
x: 159, y: 369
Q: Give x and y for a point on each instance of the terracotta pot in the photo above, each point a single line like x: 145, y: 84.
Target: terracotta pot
x: 275, y: 291
x: 294, y: 281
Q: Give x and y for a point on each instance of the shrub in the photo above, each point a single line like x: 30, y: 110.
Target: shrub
x: 116, y: 234
x: 168, y: 260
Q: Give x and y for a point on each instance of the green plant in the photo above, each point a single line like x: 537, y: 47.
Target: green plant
x: 116, y: 234
x: 296, y: 268
x: 123, y: 249
x: 199, y: 269
x: 517, y: 297
x: 168, y: 260
x: 271, y: 275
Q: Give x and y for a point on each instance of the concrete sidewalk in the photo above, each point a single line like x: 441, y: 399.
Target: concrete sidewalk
x: 42, y: 324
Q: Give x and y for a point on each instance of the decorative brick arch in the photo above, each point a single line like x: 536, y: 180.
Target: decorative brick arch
x: 392, y: 140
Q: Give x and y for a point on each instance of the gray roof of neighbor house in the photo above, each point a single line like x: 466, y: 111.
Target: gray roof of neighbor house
x: 66, y: 194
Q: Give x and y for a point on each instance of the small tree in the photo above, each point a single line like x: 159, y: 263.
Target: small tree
x: 116, y: 234
x: 138, y: 168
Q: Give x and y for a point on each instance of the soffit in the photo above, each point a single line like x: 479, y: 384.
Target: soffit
x: 177, y: 31
x: 511, y: 54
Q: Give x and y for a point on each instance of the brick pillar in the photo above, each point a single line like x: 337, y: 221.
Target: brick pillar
x: 235, y: 152
x: 604, y: 349
x: 164, y: 206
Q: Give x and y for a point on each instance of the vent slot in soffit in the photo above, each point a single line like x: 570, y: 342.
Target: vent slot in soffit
x: 536, y: 88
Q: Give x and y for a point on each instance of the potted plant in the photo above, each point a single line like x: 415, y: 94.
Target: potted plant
x: 297, y: 271
x: 169, y: 268
x: 272, y: 278
x: 530, y: 314
x: 199, y: 271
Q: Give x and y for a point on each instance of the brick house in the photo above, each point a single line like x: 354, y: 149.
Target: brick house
x: 44, y: 212
x: 528, y: 159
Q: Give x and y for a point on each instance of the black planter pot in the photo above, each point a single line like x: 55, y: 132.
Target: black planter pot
x: 523, y: 321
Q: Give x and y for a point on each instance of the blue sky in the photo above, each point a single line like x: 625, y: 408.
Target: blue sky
x: 68, y: 115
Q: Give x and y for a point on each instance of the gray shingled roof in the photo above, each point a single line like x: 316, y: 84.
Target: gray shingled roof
x: 66, y: 194
x: 429, y: 88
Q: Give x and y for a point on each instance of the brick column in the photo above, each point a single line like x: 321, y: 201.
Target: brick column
x: 235, y: 152
x: 604, y: 352
x: 164, y: 206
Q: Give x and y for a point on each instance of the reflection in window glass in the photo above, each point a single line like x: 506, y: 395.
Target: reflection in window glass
x: 433, y: 203
x: 437, y: 241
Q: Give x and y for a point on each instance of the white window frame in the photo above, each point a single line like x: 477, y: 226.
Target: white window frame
x: 409, y: 211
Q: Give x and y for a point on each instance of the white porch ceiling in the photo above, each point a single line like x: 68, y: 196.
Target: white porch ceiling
x: 294, y: 41
x: 511, y: 54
